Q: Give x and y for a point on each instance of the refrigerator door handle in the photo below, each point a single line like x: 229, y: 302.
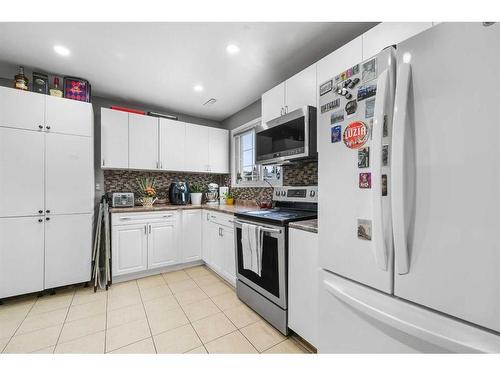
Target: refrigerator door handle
x: 379, y: 241
x: 446, y: 335
x: 399, y: 129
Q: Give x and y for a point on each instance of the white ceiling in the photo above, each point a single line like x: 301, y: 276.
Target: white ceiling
x: 159, y: 63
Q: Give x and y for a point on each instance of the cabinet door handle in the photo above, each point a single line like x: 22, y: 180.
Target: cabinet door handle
x: 47, y: 211
x: 103, y: 162
x: 145, y: 229
x: 40, y: 220
x: 47, y: 127
x: 286, y: 109
x: 281, y: 111
x: 149, y: 229
x: 40, y: 126
x: 47, y: 218
x: 40, y: 211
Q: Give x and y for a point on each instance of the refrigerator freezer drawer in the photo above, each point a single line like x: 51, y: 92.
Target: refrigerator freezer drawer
x: 357, y: 319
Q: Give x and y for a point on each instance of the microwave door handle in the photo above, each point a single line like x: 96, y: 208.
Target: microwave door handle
x: 379, y: 241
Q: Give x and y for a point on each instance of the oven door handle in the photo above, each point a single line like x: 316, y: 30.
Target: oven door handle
x: 264, y: 229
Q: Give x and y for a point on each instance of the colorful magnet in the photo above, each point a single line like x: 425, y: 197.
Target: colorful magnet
x: 350, y: 107
x: 343, y: 76
x: 385, y: 155
x: 325, y: 88
x: 365, y: 92
x: 364, y: 157
x: 337, y: 116
x: 356, y: 134
x: 385, y: 130
x: 369, y: 108
x: 355, y: 70
x: 369, y: 71
x: 336, y: 134
x: 331, y: 105
x: 364, y: 231
x: 353, y: 83
x: 384, y: 185
x: 365, y: 180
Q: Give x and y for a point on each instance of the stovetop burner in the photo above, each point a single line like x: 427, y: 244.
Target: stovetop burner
x: 290, y: 204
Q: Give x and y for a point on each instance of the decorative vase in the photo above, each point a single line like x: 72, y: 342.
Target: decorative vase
x: 196, y: 198
x: 147, y: 202
x: 229, y: 201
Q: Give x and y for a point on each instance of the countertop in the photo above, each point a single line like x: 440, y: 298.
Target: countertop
x: 168, y: 207
x: 307, y: 225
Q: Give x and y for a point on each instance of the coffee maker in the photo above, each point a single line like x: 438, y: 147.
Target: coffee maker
x: 178, y: 192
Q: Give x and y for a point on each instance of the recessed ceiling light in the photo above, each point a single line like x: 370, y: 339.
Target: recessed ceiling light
x: 232, y: 49
x: 198, y: 88
x: 61, y: 50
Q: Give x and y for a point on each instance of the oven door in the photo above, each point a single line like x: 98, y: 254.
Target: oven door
x: 272, y: 282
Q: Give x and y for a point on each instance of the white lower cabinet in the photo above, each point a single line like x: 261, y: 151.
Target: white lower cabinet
x: 68, y: 249
x: 218, y: 244
x: 21, y: 255
x: 191, y: 235
x: 303, y: 284
x: 129, y: 248
x: 162, y: 244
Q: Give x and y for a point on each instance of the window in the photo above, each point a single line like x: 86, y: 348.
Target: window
x: 245, y: 172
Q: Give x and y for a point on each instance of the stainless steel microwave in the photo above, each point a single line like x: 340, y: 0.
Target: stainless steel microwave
x: 286, y: 138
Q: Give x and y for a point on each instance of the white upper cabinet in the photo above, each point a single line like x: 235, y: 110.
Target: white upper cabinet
x: 297, y: 91
x: 131, y: 141
x: 22, y: 109
x: 143, y: 142
x: 386, y: 34
x: 172, y: 145
x: 339, y: 60
x: 68, y: 116
x: 114, y: 139
x: 197, y: 148
x: 273, y: 103
x: 300, y: 90
x: 69, y: 174
x: 218, y: 150
x: 21, y: 172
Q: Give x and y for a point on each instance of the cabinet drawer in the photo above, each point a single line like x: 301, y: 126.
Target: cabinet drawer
x: 220, y: 218
x: 143, y: 217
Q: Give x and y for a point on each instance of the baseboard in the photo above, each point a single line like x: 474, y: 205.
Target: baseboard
x: 156, y: 271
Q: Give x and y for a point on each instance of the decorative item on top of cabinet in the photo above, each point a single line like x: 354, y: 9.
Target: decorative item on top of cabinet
x: 40, y: 83
x: 20, y: 80
x: 56, y: 91
x: 196, y: 193
x: 77, y: 89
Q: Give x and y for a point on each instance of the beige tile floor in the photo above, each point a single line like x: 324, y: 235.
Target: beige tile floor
x: 186, y: 311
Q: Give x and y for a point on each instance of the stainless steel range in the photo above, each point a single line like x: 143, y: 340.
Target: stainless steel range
x: 267, y: 293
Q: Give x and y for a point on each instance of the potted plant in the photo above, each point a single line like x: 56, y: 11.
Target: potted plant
x: 229, y: 198
x: 196, y: 193
x: 146, y: 191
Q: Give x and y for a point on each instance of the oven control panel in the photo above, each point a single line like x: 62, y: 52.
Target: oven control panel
x: 296, y: 194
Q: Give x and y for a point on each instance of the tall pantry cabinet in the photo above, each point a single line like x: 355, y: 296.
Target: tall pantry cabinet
x: 46, y: 191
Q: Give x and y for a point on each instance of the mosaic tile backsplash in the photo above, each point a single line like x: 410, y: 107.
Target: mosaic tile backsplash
x: 123, y: 180
x: 299, y: 174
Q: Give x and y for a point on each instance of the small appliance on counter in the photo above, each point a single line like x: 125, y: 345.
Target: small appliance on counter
x: 212, y: 194
x: 122, y: 200
x: 223, y: 190
x: 178, y: 192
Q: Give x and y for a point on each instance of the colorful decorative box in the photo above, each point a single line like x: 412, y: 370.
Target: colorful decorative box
x: 77, y: 89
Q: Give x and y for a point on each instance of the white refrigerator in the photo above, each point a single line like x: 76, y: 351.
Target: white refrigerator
x: 410, y: 197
